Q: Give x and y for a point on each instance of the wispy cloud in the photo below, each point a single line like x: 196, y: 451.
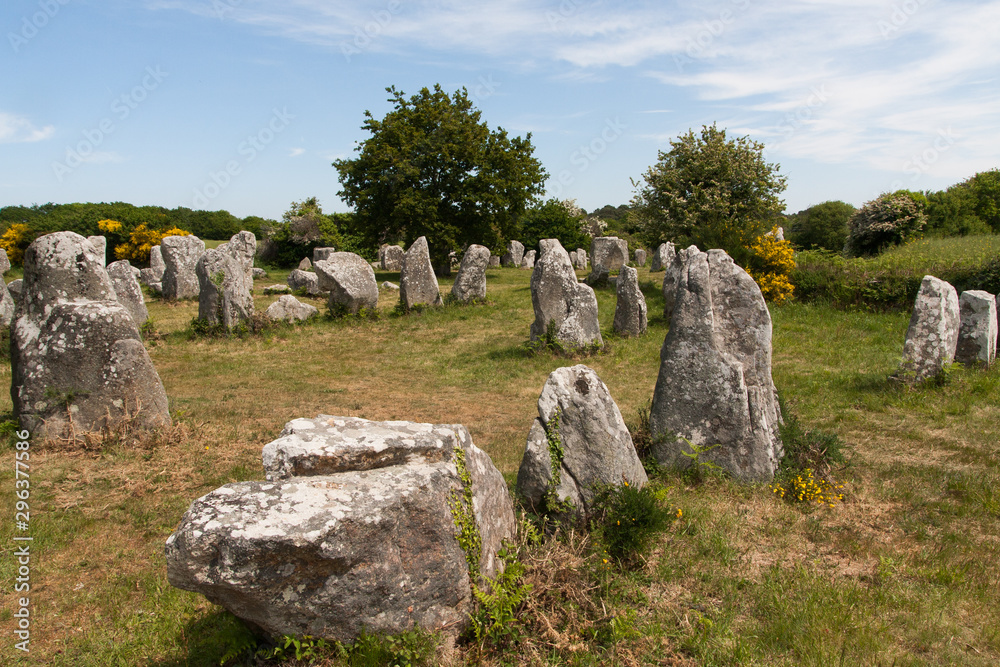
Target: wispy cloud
x: 18, y: 129
x: 295, y: 152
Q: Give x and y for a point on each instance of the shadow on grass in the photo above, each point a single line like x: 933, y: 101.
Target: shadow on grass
x: 207, y: 639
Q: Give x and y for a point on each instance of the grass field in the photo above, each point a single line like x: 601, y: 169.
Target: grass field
x: 903, y: 572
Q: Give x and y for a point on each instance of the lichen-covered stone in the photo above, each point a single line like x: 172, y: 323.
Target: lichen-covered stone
x: 662, y: 257
x: 977, y: 334
x: 156, y: 263
x: 100, y: 244
x: 355, y: 531
x: 180, y: 257
x: 243, y: 247
x: 417, y: 282
x: 258, y: 273
x: 128, y: 290
x: 225, y: 286
x: 714, y: 386
x: 7, y: 305
x: 305, y: 264
x: 514, y: 254
x: 582, y: 259
x: 609, y: 252
x: 14, y: 287
x: 470, y: 283
x: 630, y: 307
x: 528, y: 260
x: 289, y: 309
x: 391, y: 258
x: 305, y: 281
x: 563, y: 307
x: 322, y: 254
x: 639, y: 257
x: 349, y: 279
x: 672, y: 277
x: 277, y: 289
x: 494, y: 261
x: 4, y: 262
x: 932, y: 336
x: 575, y: 410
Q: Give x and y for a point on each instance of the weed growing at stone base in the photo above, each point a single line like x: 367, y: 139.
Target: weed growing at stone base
x: 630, y: 519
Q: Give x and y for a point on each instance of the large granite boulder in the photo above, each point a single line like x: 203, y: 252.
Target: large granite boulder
x: 350, y: 280
x: 180, y: 257
x: 565, y: 309
x: 417, y: 282
x: 289, y: 309
x: 243, y: 247
x: 225, y: 288
x: 630, y: 309
x: 932, y: 336
x: 470, y: 283
x: 360, y: 527
x: 390, y: 258
x: 663, y: 256
x: 4, y: 262
x: 977, y: 333
x: 714, y: 387
x: 128, y: 290
x: 609, y: 252
x: 304, y: 281
x: 514, y: 254
x: 672, y: 277
x: 78, y: 363
x: 576, y: 410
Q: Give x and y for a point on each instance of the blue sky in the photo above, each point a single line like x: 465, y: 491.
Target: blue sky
x: 243, y: 104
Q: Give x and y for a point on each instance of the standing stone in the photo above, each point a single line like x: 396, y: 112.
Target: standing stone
x: 305, y: 264
x: 100, y: 244
x: 391, y: 258
x: 564, y: 308
x: 662, y: 257
x: 78, y: 364
x: 356, y: 530
x: 977, y: 334
x: 576, y: 409
x: 289, y: 309
x: 243, y: 246
x: 7, y: 305
x: 640, y: 257
x: 320, y: 254
x: 350, y: 280
x: 470, y: 283
x: 583, y: 260
x: 528, y: 261
x: 180, y: 257
x: 417, y: 282
x: 494, y: 261
x: 932, y: 336
x: 630, y: 309
x: 514, y: 254
x: 714, y: 386
x: 306, y: 281
x: 14, y: 287
x: 225, y: 289
x: 672, y: 277
x: 4, y: 262
x: 609, y: 252
x: 128, y: 290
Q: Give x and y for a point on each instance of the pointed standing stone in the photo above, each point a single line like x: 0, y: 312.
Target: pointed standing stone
x: 564, y: 307
x: 630, y: 309
x: 662, y: 257
x: 128, y: 290
x: 417, y: 282
x: 514, y: 254
x: 470, y: 283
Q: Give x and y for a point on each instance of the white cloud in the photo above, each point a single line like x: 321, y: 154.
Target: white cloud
x: 295, y: 152
x: 18, y: 129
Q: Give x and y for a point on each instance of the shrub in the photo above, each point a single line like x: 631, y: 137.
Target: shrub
x: 630, y: 518
x: 891, y: 219
x: 15, y: 240
x: 821, y: 226
x: 771, y: 263
x: 141, y: 240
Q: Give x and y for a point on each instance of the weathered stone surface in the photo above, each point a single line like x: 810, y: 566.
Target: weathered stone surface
x: 494, y: 261
x: 4, y: 262
x: 14, y: 287
x: 128, y: 290
x: 662, y: 257
x: 977, y: 333
x: 714, y: 386
x: 576, y: 408
x: 582, y: 259
x: 514, y: 254
x: 243, y: 247
x: 353, y: 531
x: 77, y: 359
x: 277, y: 289
x: 387, y: 285
x: 100, y: 244
x: 304, y: 280
x: 225, y: 288
x: 258, y: 273
x: 470, y: 283
x: 180, y: 257
x: 349, y: 279
x: 639, y: 257
x: 7, y: 305
x: 598, y: 277
x: 528, y: 261
x: 391, y: 258
x: 609, y: 252
x: 290, y: 309
x: 672, y: 277
x: 563, y: 307
x: 156, y: 263
x: 305, y: 264
x: 417, y: 282
x: 630, y: 309
x: 322, y: 254
x: 932, y: 336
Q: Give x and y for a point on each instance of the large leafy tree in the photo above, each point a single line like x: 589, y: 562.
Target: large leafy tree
x: 432, y: 168
x: 711, y: 191
x: 553, y: 219
x: 821, y: 226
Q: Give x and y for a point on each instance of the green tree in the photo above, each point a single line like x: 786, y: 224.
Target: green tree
x: 711, y: 191
x: 432, y: 168
x: 891, y: 219
x: 820, y: 226
x: 985, y: 188
x: 303, y: 227
x: 552, y: 220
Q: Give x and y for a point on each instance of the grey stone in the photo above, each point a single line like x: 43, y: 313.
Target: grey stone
x: 128, y: 290
x: 156, y: 263
x: 7, y: 305
x: 4, y: 262
x: 14, y: 287
x: 225, y: 288
x: 100, y: 244
x: 563, y: 307
x: 582, y: 259
x: 598, y: 277
x: 148, y: 278
x: 714, y: 386
x: 78, y: 363
x: 354, y: 531
x: 932, y: 336
x: 305, y: 264
x: 630, y: 308
x: 977, y: 334
x: 576, y: 408
x: 258, y: 273
x: 494, y: 261
x: 417, y: 282
x: 672, y: 277
x: 609, y: 252
x: 290, y: 309
x: 391, y: 258
x: 180, y: 257
x: 243, y: 247
x: 640, y: 257
x: 387, y: 285
x: 349, y: 279
x: 277, y: 289
x: 306, y: 281
x: 321, y: 254
x: 662, y: 257
x: 528, y: 261
x: 470, y: 283
x: 514, y: 254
